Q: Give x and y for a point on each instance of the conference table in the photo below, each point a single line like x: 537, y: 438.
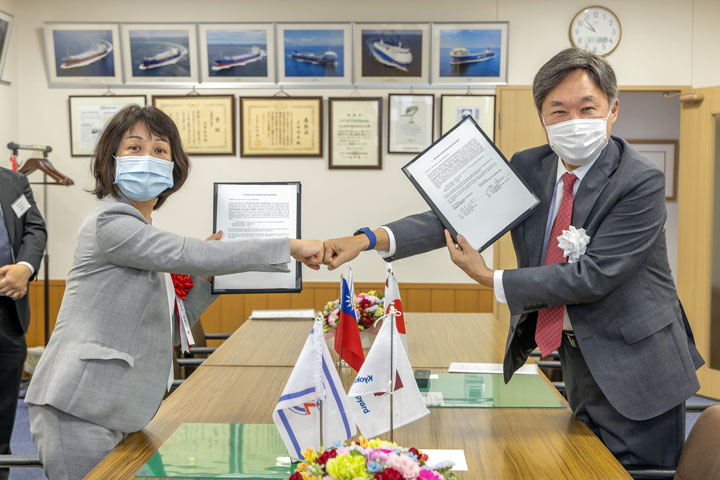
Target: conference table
x: 242, y: 380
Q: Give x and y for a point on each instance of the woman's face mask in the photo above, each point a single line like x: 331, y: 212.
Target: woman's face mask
x: 578, y: 141
x: 143, y: 178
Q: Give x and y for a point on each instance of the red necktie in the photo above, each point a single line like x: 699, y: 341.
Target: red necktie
x: 549, y: 323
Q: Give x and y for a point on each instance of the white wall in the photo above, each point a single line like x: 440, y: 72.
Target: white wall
x: 537, y: 31
x: 8, y: 93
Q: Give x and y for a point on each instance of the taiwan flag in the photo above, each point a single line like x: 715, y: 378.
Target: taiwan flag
x: 347, y: 335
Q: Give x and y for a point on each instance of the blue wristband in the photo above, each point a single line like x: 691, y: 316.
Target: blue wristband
x: 370, y: 235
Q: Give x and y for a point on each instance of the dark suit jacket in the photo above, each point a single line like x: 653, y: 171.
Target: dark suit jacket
x: 620, y: 295
x: 27, y: 233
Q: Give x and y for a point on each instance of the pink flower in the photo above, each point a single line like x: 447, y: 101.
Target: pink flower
x: 405, y: 465
x: 342, y: 451
x: 332, y: 318
x: 429, y: 475
x: 377, y: 454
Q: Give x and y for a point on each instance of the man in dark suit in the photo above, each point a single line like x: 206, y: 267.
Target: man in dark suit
x: 22, y: 242
x: 608, y: 305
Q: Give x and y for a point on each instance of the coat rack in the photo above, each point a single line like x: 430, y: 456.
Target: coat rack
x: 27, y: 167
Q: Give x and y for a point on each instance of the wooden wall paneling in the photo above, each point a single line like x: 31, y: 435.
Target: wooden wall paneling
x: 304, y: 299
x: 695, y: 204
x: 418, y: 300
x: 229, y: 312
x: 467, y: 301
x: 443, y: 300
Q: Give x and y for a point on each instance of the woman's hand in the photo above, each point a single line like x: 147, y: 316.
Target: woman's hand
x: 469, y: 260
x: 309, y: 252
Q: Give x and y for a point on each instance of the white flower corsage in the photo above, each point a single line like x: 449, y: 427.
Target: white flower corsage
x: 573, y: 242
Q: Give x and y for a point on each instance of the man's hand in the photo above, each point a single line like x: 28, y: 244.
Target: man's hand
x: 309, y: 252
x: 469, y: 260
x: 341, y: 250
x: 14, y: 280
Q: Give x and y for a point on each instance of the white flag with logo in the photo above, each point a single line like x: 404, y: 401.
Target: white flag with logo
x: 369, y: 395
x: 392, y: 299
x: 314, y: 378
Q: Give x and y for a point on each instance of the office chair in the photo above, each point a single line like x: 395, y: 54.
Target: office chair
x: 699, y: 459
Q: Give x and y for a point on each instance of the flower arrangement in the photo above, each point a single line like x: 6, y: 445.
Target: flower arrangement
x: 369, y: 460
x: 369, y: 306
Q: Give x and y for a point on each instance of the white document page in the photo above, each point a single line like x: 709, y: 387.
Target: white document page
x: 469, y: 184
x: 257, y: 211
x: 458, y: 367
x: 294, y: 314
x: 436, y: 456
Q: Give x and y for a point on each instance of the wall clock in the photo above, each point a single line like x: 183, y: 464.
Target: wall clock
x: 596, y: 29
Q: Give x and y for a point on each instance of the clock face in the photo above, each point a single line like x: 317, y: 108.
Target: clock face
x: 596, y: 29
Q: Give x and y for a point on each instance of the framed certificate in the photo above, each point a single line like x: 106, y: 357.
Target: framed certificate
x: 411, y: 121
x: 281, y: 127
x: 470, y: 185
x: 206, y: 122
x: 355, y: 132
x: 90, y: 114
x: 258, y: 210
x: 453, y: 108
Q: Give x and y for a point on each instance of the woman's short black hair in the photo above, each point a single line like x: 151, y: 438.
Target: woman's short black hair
x: 158, y: 123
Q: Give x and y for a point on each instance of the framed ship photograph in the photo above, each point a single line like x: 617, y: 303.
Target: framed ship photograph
x: 355, y: 132
x: 206, y: 122
x: 314, y: 53
x: 281, y: 127
x: 411, y: 121
x: 453, y: 108
x: 237, y: 52
x: 82, y: 54
x: 6, y: 21
x: 90, y: 114
x: 391, y: 53
x: 470, y: 53
x: 160, y: 53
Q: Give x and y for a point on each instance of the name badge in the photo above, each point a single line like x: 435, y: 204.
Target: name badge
x: 20, y: 206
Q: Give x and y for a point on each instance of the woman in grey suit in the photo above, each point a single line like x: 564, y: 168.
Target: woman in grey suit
x: 107, y: 364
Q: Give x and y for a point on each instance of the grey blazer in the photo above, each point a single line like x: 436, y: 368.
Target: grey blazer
x: 620, y: 295
x: 109, y: 356
x: 27, y: 232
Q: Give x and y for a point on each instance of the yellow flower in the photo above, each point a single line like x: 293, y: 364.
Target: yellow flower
x: 362, y: 441
x: 376, y: 442
x: 347, y: 467
x: 310, y: 454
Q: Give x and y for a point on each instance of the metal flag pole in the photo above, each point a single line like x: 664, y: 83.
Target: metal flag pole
x: 317, y: 373
x: 340, y: 360
x: 392, y: 367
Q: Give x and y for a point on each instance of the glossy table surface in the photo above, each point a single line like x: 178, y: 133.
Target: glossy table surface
x: 499, y: 443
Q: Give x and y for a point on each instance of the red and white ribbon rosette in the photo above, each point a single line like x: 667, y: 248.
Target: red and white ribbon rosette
x: 182, y: 285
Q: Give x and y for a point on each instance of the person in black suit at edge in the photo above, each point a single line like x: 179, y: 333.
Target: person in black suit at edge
x: 22, y: 243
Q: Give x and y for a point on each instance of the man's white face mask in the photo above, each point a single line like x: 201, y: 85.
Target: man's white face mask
x: 578, y: 141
